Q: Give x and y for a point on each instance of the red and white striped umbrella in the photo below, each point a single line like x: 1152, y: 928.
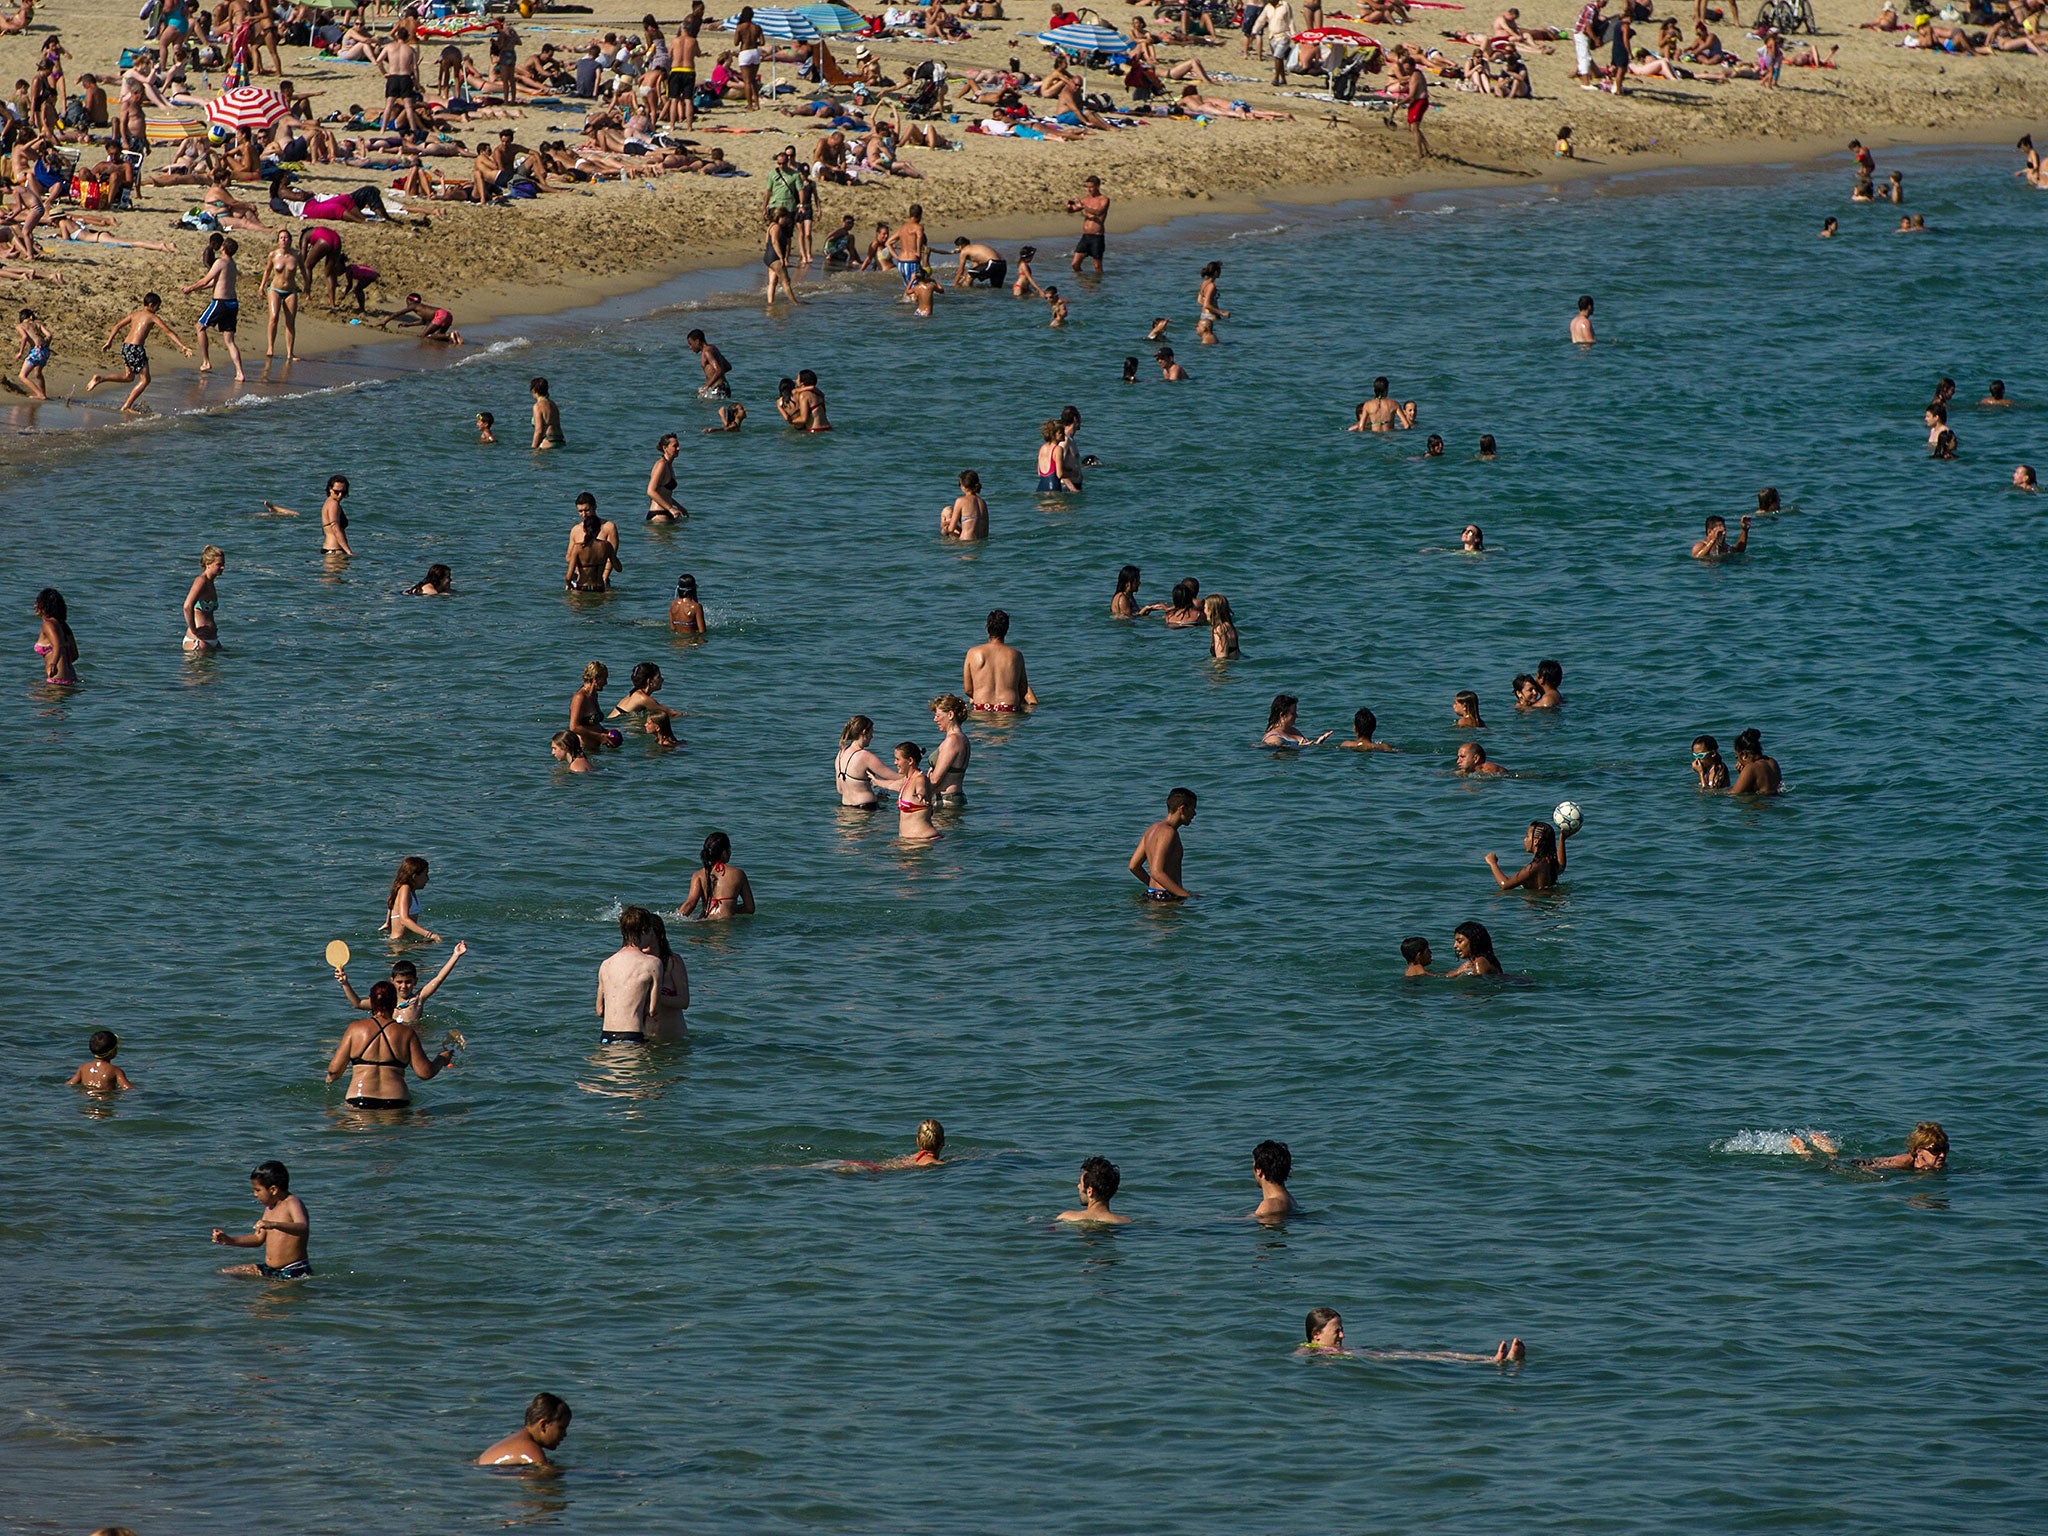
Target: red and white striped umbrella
x: 245, y: 107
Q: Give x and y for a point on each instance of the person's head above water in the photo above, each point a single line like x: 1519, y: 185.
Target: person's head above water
x: 1100, y: 1180
x: 998, y: 624
x: 1284, y: 708
x: 1364, y: 723
x: 1380, y: 387
x: 1472, y: 537
x: 1323, y: 1328
x: 1272, y: 1161
x: 1185, y: 591
x: 1472, y: 941
x: 1127, y: 579
x: 1415, y: 950
x: 931, y: 1137
x: 1927, y: 1145
x: 1433, y: 447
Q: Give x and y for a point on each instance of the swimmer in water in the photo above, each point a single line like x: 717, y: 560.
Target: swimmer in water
x: 375, y: 1052
x: 1944, y: 445
x: 1415, y: 954
x: 992, y: 674
x: 1222, y: 631
x: 1828, y: 226
x: 1158, y: 329
x: 283, y: 1231
x: 931, y: 1142
x: 641, y: 700
x: 1097, y: 1185
x: 1526, y: 691
x: 1059, y: 308
x: 948, y: 772
x: 333, y: 518
x: 685, y: 613
x: 1130, y: 370
x: 1170, y: 372
x: 1185, y: 610
x: 1282, y: 729
x: 55, y: 642
x: 1472, y: 539
x: 567, y: 748
x: 1272, y: 1163
x: 1324, y: 1330
x: 1488, y: 448
x: 731, y: 416
x: 913, y: 796
x: 1433, y: 447
x: 1123, y: 603
x: 584, y: 710
x: 1995, y: 394
x: 1707, y: 765
x: 966, y: 517
x: 1755, y: 774
x: 405, y: 981
x: 1473, y: 946
x: 1363, y: 724
x: 547, y: 1423
x: 662, y: 506
x: 101, y: 1075
x: 856, y: 772
x: 1381, y: 414
x: 720, y: 888
x: 1546, y: 860
x: 1767, y: 503
x: 2024, y: 479
x: 1926, y: 1150
x: 547, y: 417
x: 1582, y: 322
x: 1465, y: 711
x: 402, y: 905
x: 1472, y: 759
x: 1714, y: 545
x: 485, y: 421
x: 1156, y: 860
x: 1549, y: 678
x: 438, y: 582
x: 1206, y: 297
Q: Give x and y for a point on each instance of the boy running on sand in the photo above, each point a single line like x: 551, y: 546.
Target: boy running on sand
x: 32, y: 351
x: 134, y: 351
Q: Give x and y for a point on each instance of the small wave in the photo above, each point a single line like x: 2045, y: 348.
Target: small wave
x: 239, y: 401
x: 1259, y: 234
x: 1761, y: 1143
x: 495, y: 349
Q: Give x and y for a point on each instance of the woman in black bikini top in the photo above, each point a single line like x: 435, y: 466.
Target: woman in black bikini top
x: 372, y: 1047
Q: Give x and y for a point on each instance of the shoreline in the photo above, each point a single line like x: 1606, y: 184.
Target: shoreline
x: 334, y: 356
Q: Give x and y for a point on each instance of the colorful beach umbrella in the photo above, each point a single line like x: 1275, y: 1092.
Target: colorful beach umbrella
x: 172, y: 127
x: 783, y: 25
x: 833, y: 20
x: 245, y: 108
x: 1344, y: 35
x: 1081, y: 38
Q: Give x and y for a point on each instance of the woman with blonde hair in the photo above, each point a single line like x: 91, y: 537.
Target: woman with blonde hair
x: 586, y: 714
x: 201, y: 631
x: 402, y: 906
x: 949, y: 760
x: 1222, y: 631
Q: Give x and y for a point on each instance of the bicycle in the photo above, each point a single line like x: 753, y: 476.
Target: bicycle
x: 1787, y: 16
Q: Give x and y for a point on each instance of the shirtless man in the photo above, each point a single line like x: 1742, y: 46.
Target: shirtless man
x: 1715, y: 546
x: 400, y: 62
x: 908, y: 245
x: 1582, y: 322
x: 1381, y: 414
x: 716, y: 368
x: 629, y: 983
x: 1156, y: 860
x: 1094, y: 210
x: 993, y: 677
x: 978, y: 264
x: 222, y: 313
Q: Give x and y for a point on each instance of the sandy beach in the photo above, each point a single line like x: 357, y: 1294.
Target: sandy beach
x: 594, y: 240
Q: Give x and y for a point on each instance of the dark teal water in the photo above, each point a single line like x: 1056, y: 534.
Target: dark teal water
x: 1720, y: 1337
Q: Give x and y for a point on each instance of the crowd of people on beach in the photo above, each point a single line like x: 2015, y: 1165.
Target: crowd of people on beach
x: 643, y: 988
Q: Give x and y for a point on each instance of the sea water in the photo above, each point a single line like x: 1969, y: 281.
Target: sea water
x: 1720, y: 1336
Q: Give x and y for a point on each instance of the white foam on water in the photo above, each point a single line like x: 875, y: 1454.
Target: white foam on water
x: 1762, y: 1143
x: 495, y: 349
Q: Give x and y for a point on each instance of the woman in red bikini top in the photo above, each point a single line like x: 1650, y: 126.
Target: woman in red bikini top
x: 720, y: 889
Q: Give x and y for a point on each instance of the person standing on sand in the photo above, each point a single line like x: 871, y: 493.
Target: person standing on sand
x: 1582, y: 322
x: 1584, y: 31
x: 137, y: 323
x: 224, y: 309
x: 992, y: 676
x: 281, y: 297
x: 1094, y: 210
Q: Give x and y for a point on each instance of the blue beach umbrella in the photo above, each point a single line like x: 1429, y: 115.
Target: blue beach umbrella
x: 1080, y: 39
x: 784, y: 26
x: 833, y: 20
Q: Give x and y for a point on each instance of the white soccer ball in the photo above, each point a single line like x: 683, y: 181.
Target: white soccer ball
x: 1568, y: 818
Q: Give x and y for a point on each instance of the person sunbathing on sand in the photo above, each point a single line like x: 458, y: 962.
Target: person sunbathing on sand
x: 1194, y: 104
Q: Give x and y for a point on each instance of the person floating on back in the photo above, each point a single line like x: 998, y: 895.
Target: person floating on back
x: 547, y: 1423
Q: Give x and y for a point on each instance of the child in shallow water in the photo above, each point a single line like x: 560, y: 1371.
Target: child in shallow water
x: 547, y: 1423
x: 100, y: 1075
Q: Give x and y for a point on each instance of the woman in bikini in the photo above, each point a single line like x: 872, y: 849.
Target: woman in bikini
x: 402, y: 905
x: 662, y: 506
x: 1282, y: 729
x: 950, y: 758
x: 720, y: 889
x: 333, y: 520
x: 281, y: 296
x: 201, y: 632
x: 376, y: 1051
x: 913, y: 796
x: 585, y: 712
x: 56, y: 644
x: 674, y: 995
x: 856, y: 772
x: 685, y: 613
x: 1546, y: 860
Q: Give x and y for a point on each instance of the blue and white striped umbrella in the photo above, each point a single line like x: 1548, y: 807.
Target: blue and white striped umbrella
x: 834, y: 19
x: 787, y: 26
x: 1080, y: 39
